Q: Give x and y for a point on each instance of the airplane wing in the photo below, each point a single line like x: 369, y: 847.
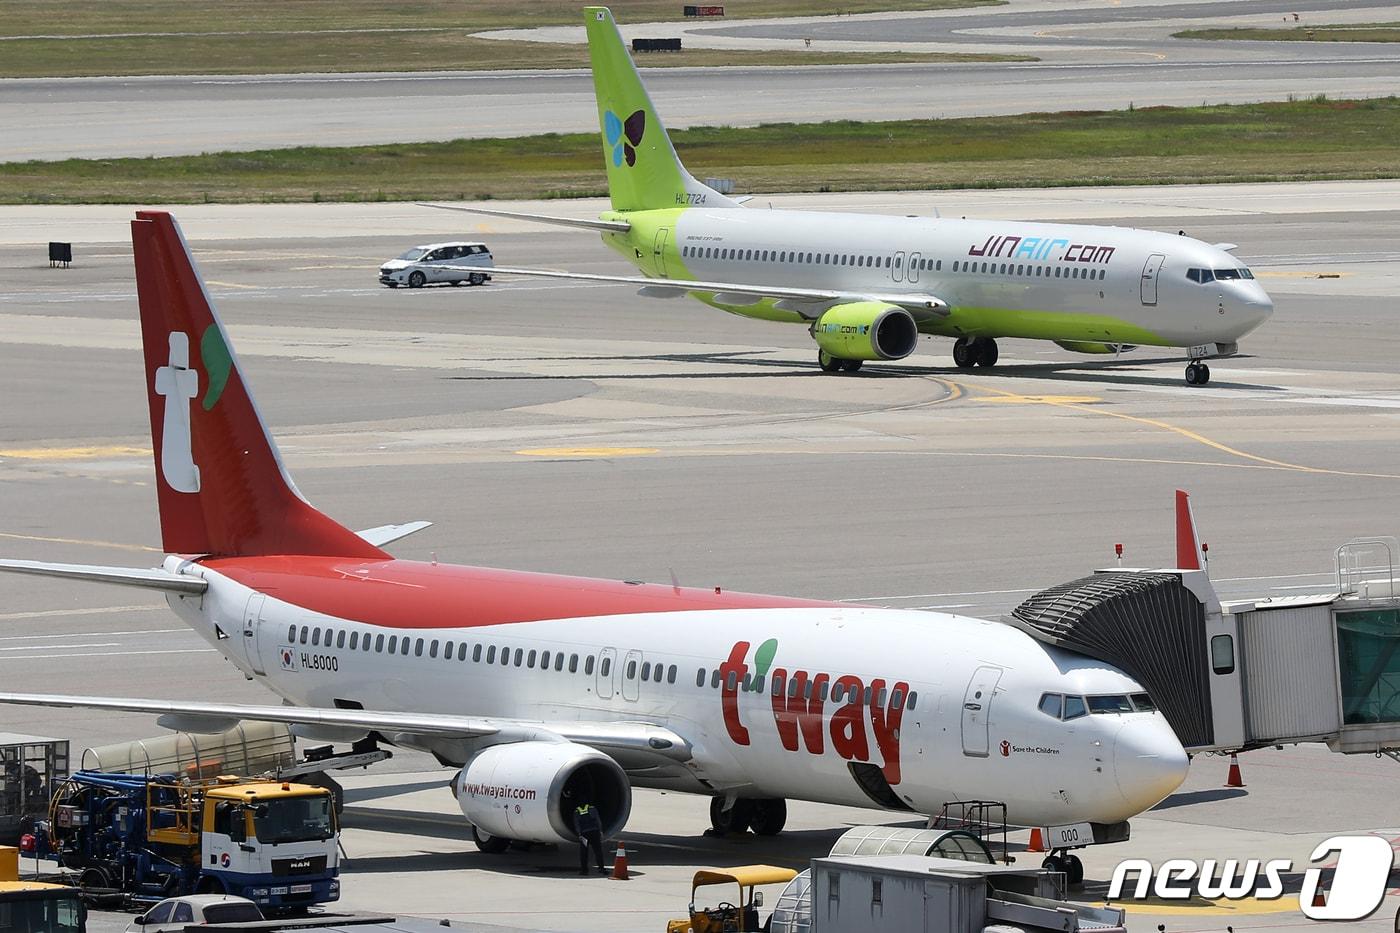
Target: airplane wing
x: 213, y: 717
x: 809, y: 302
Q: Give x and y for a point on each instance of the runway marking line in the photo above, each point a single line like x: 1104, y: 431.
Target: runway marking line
x: 1188, y: 434
x: 112, y: 544
x: 588, y: 451
x: 72, y: 453
x: 1202, y: 907
x: 232, y: 284
x: 43, y: 613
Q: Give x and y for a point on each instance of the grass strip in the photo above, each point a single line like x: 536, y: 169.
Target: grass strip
x: 159, y: 37
x: 1359, y: 32
x: 1287, y: 141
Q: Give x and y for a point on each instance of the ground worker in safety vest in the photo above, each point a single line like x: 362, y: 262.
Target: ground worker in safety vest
x: 589, y: 826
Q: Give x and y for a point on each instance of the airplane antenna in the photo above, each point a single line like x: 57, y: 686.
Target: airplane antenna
x: 1118, y: 550
x: 675, y: 583
x: 434, y: 553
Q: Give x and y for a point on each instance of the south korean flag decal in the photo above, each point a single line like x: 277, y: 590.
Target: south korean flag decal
x: 288, y: 658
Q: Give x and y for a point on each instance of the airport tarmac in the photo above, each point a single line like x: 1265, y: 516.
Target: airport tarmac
x: 1092, y: 56
x: 587, y: 430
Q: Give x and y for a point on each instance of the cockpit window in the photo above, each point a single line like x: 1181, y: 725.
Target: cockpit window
x: 1224, y: 274
x: 1050, y: 704
x: 1143, y: 703
x: 1074, y: 708
x: 1117, y: 703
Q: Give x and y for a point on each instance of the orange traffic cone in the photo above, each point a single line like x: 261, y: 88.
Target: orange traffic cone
x: 1235, y: 779
x: 1037, y: 843
x: 620, y: 863
x: 1319, y: 897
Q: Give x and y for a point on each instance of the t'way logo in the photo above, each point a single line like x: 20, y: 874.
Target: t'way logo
x: 799, y: 708
x: 179, y: 384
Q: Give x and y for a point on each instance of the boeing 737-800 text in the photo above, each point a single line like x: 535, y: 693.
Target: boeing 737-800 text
x: 543, y: 690
x: 866, y: 286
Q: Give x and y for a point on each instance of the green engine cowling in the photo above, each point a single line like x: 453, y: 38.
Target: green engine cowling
x: 866, y: 330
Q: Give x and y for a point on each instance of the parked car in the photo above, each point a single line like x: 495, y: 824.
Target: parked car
x: 175, y: 913
x: 423, y: 265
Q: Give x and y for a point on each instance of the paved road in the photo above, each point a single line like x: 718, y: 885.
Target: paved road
x: 912, y: 485
x: 1092, y: 58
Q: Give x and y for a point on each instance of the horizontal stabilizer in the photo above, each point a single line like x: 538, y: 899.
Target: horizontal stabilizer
x: 384, y: 534
x: 154, y: 579
x: 616, y: 226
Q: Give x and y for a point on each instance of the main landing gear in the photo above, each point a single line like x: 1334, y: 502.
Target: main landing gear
x: 766, y: 817
x: 975, y: 351
x: 1070, y: 865
x: 834, y: 364
x: 1197, y: 373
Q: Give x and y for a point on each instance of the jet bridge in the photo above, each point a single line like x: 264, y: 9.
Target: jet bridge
x: 1247, y: 673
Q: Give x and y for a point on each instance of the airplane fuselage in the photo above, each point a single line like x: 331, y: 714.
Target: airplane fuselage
x: 1067, y: 282
x: 901, y: 709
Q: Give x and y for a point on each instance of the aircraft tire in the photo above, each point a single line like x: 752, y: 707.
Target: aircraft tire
x: 491, y: 845
x: 734, y: 820
x: 851, y: 366
x: 1074, y: 870
x: 986, y: 349
x: 769, y: 816
x: 964, y: 353
x: 1197, y: 374
x: 1054, y: 863
x: 416, y: 279
x: 827, y: 362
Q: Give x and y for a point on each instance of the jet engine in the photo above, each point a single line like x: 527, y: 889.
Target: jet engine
x: 866, y: 330
x: 528, y: 790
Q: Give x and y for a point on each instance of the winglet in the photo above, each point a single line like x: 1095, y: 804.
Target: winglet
x: 1188, y: 549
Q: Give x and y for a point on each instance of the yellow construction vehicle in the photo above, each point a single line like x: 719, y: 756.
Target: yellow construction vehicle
x: 738, y: 916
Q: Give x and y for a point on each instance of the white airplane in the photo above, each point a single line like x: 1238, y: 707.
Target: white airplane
x: 543, y: 690
x: 866, y: 286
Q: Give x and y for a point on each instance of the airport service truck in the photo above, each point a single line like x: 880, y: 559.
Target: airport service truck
x: 273, y: 842
x: 36, y: 906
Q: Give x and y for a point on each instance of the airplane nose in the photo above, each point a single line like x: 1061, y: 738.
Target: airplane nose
x: 1258, y: 306
x: 1148, y: 762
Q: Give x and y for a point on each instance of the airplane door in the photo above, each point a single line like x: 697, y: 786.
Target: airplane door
x: 898, y: 270
x: 251, y: 612
x: 913, y: 275
x: 977, y: 708
x: 607, y: 661
x: 1149, y: 278
x: 631, y: 682
x: 658, y: 249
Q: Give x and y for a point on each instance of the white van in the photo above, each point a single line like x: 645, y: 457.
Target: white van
x: 423, y: 265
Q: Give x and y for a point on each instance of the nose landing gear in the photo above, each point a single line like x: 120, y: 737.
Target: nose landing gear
x: 835, y: 364
x: 974, y: 351
x: 1070, y: 865
x: 1197, y: 373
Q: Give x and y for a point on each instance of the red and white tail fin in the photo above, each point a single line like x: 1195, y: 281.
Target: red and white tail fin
x: 1188, y: 547
x: 221, y: 485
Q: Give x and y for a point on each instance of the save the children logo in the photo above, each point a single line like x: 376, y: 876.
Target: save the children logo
x: 1359, y: 879
x: 624, y: 136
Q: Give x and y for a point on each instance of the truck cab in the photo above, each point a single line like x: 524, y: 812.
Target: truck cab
x: 36, y: 907
x: 273, y: 843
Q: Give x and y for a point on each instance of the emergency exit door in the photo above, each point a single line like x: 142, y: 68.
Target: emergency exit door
x: 658, y: 249
x: 976, y: 711
x: 1149, y: 278
x: 251, y: 648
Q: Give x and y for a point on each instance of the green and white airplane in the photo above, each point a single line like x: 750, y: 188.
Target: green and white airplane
x: 866, y: 286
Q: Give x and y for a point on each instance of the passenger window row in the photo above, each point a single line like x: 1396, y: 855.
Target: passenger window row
x: 805, y: 258
x: 1029, y: 270
x: 1060, y: 706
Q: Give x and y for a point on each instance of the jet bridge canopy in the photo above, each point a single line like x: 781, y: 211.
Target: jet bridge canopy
x: 1148, y: 624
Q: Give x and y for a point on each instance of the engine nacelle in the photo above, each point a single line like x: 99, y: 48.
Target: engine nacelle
x: 528, y: 790
x: 866, y: 330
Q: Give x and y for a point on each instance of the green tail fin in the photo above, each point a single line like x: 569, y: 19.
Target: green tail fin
x: 643, y: 170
